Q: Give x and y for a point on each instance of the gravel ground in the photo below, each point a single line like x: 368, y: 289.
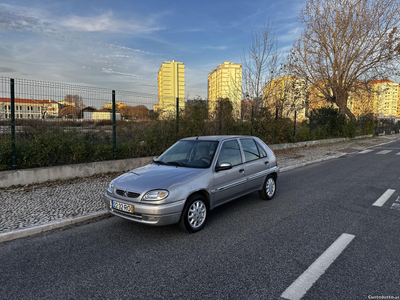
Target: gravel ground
x: 38, y: 204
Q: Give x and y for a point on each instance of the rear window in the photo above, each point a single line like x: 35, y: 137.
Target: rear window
x: 250, y: 149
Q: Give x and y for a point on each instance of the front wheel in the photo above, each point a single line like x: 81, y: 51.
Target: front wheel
x: 194, y: 215
x: 269, y: 188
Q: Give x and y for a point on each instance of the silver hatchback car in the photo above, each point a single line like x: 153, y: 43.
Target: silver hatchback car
x: 191, y: 178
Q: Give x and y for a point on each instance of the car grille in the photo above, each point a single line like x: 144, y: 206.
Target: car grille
x: 126, y: 193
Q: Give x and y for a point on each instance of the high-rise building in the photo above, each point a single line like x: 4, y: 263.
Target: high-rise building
x: 386, y: 97
x: 225, y: 81
x: 171, y: 85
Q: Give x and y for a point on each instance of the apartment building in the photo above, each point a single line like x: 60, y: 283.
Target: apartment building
x: 288, y: 95
x: 171, y: 85
x: 24, y: 109
x: 49, y: 108
x: 386, y: 98
x: 225, y: 81
x: 380, y: 98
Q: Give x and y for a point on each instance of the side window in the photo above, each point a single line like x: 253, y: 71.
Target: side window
x: 230, y: 153
x: 263, y: 153
x: 250, y: 149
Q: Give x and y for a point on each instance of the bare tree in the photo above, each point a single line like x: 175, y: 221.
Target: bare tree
x: 74, y: 100
x: 260, y: 63
x: 288, y: 94
x: 345, y: 43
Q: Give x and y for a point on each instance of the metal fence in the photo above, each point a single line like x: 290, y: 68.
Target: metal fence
x: 46, y: 124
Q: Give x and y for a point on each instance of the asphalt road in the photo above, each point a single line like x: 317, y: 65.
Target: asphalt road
x: 250, y: 248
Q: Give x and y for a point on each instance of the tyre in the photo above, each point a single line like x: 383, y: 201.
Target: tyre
x: 194, y: 215
x: 269, y: 188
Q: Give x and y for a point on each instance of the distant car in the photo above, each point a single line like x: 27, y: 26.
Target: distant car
x: 191, y: 178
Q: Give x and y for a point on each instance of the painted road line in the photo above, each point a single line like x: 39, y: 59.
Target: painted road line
x: 382, y: 199
x: 398, y: 153
x: 384, y: 152
x: 306, y: 280
x: 395, y: 206
x: 365, y: 151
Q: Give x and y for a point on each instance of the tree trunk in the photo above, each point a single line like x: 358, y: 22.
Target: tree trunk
x: 342, y: 104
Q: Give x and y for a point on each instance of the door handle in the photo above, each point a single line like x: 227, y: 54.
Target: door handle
x: 267, y: 162
x: 241, y: 170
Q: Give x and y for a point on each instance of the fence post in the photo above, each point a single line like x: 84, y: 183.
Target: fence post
x: 114, y: 126
x: 177, y: 118
x: 12, y: 103
x: 252, y: 119
x: 276, y: 124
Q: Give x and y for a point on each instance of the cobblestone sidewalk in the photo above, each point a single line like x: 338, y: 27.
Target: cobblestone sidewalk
x: 39, y: 204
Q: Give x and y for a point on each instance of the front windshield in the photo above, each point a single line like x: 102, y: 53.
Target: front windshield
x: 189, y: 153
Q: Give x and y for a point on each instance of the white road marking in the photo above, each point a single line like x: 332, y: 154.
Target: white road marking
x: 398, y: 199
x: 395, y: 206
x: 384, y: 152
x: 306, y: 280
x: 382, y: 199
x: 398, y: 153
x: 365, y: 151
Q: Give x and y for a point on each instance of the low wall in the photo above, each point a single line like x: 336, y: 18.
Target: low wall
x: 39, y: 175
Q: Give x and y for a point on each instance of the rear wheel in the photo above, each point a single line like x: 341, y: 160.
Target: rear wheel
x: 269, y: 188
x: 194, y: 215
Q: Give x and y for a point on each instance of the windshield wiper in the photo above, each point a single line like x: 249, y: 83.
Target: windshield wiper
x: 177, y: 163
x: 159, y: 162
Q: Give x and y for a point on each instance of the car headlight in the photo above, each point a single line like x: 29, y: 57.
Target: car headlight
x: 111, y: 187
x: 156, y: 195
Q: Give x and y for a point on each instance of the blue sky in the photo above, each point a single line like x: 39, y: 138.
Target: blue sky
x: 121, y: 44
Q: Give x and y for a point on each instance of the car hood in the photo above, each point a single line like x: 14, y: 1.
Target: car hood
x: 154, y: 176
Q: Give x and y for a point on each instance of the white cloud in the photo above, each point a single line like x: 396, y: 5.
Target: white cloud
x: 107, y: 22
x: 215, y: 47
x: 111, y: 71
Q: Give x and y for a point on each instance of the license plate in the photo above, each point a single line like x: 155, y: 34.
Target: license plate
x: 122, y: 206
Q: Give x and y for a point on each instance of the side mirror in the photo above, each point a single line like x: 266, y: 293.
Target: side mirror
x: 223, y: 166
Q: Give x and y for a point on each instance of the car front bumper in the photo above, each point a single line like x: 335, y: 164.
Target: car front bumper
x: 151, y: 214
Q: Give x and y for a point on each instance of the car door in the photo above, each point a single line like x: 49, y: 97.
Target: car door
x: 229, y: 184
x: 256, y: 164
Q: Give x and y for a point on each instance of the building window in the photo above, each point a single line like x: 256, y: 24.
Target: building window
x: 5, y: 115
x: 29, y: 116
x: 20, y: 108
x: 28, y: 107
x: 31, y: 108
x: 20, y: 116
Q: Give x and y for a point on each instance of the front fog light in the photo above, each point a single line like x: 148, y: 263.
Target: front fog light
x: 156, y: 195
x: 150, y: 218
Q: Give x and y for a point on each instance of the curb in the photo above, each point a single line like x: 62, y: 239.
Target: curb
x: 288, y: 168
x: 21, y: 233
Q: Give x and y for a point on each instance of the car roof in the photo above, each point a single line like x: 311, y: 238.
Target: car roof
x: 216, y: 137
